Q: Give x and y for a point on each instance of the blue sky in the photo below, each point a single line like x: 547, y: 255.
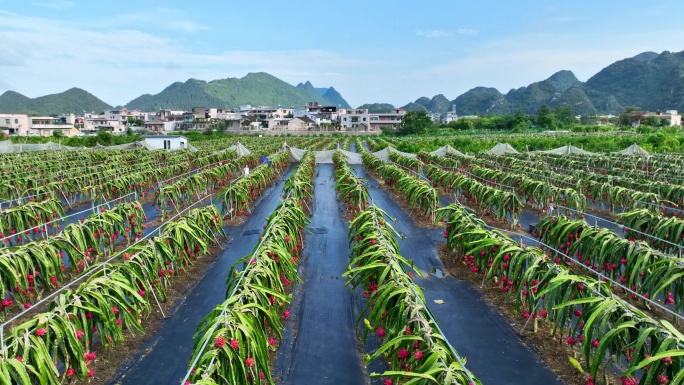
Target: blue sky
x: 370, y: 51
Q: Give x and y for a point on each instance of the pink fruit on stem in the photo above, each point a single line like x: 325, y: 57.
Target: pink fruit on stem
x: 220, y: 342
x: 234, y: 344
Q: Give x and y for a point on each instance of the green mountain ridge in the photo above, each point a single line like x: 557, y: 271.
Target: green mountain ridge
x: 329, y: 94
x: 413, y: 106
x: 377, y: 108
x: 74, y: 100
x: 257, y: 89
x: 335, y: 98
x: 646, y: 56
x: 648, y: 80
x: 438, y: 104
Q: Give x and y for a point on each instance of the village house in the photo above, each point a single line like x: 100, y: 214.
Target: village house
x: 300, y: 124
x: 15, y: 124
x: 24, y: 125
x: 353, y: 119
x: 165, y: 142
x: 387, y: 119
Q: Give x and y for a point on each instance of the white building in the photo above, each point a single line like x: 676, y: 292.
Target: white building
x: 172, y: 115
x: 15, y: 124
x: 672, y: 117
x: 450, y: 117
x: 263, y: 113
x: 353, y: 119
x: 160, y: 126
x: 221, y: 113
x: 314, y: 109
x: 124, y: 114
x: 435, y: 117
x: 96, y: 124
x: 228, y: 115
x: 387, y: 119
x: 318, y: 119
x: 23, y: 125
x: 166, y: 142
x: 47, y: 126
x: 669, y: 117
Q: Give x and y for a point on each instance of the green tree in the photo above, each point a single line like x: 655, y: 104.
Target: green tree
x: 565, y: 115
x: 652, y: 121
x: 484, y: 124
x: 545, y: 117
x: 628, y: 116
x: 519, y: 120
x: 129, y: 131
x: 588, y: 120
x: 462, y: 124
x: 221, y: 126
x: 499, y: 122
x: 389, y: 131
x: 105, y: 138
x: 415, y: 122
x: 57, y: 134
x: 135, y: 122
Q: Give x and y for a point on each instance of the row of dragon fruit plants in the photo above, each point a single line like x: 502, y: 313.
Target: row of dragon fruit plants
x: 55, y: 346
x: 32, y: 267
x: 411, y: 343
x: 31, y: 197
x: 233, y: 341
x: 600, y: 324
x: 650, y: 267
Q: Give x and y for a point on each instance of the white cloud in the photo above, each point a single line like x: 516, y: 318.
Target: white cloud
x: 164, y: 19
x: 468, y: 31
x: 44, y: 56
x: 433, y: 34
x: 516, y: 61
x: 56, y: 4
x: 117, y: 63
x: 187, y: 26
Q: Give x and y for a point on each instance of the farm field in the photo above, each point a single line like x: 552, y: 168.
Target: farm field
x: 341, y: 260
